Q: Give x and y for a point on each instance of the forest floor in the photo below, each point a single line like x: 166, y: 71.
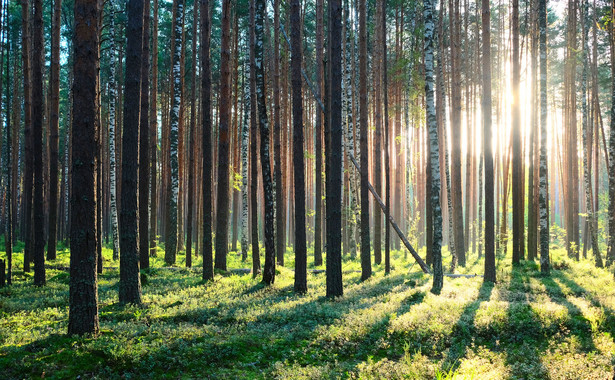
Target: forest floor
x: 524, y: 327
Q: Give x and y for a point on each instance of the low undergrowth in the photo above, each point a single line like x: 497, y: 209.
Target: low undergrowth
x: 524, y: 327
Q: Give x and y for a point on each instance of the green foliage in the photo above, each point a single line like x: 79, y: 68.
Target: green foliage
x: 526, y: 326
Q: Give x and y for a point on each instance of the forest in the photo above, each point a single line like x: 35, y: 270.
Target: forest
x: 307, y: 189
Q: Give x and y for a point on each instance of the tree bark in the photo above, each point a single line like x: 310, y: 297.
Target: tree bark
x: 334, y: 153
x: 208, y: 270
x: 54, y: 79
x: 130, y: 281
x: 83, y: 293
x: 144, y: 145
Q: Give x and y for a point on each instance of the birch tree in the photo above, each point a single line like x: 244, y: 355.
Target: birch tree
x: 171, y: 244
x: 432, y: 124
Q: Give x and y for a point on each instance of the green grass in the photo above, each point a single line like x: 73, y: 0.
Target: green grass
x: 524, y: 327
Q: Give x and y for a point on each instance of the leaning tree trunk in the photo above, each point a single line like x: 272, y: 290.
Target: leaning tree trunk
x: 83, y: 289
x: 130, y: 281
x: 261, y: 97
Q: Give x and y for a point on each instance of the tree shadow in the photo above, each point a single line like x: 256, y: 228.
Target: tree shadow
x: 525, y: 337
x: 463, y: 331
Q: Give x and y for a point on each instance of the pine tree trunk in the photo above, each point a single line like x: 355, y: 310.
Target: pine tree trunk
x: 319, y: 135
x: 191, y: 142
x: 29, y: 157
x: 279, y: 186
x: 366, y: 261
x: 144, y: 145
x: 334, y: 153
x: 83, y: 293
x: 130, y: 282
x: 54, y: 79
x: 153, y: 137
x: 490, y: 270
x: 256, y: 263
x: 261, y: 97
x: 38, y: 208
x: 208, y: 270
x: 517, y: 158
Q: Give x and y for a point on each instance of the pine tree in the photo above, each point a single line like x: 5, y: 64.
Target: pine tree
x: 366, y: 263
x: 83, y: 290
x: 296, y: 59
x: 130, y: 281
x: 334, y: 153
x: 261, y: 94
x: 222, y: 206
x: 208, y: 270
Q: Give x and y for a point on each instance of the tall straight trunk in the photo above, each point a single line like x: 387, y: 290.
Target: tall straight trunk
x: 144, y: 145
x: 191, y: 142
x: 570, y: 120
x: 456, y: 190
x: 611, y: 163
x: 366, y: 261
x: 153, y: 136
x: 387, y: 166
x: 261, y: 97
x: 171, y: 243
x: 296, y: 59
x: 334, y: 153
x: 29, y: 157
x: 10, y: 173
x: 586, y: 138
x: 517, y: 158
x: 377, y: 146
x: 130, y: 281
x: 279, y: 185
x: 490, y: 270
x: 38, y: 212
x: 83, y: 289
x: 432, y: 123
x: 222, y: 206
x: 245, y: 142
x: 350, y: 143
x: 543, y: 173
x: 318, y: 139
x: 532, y: 205
x: 256, y: 263
x: 207, y: 188
x: 113, y: 136
x: 54, y: 123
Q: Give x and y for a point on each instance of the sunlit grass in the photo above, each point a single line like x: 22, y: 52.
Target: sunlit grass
x: 525, y: 326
